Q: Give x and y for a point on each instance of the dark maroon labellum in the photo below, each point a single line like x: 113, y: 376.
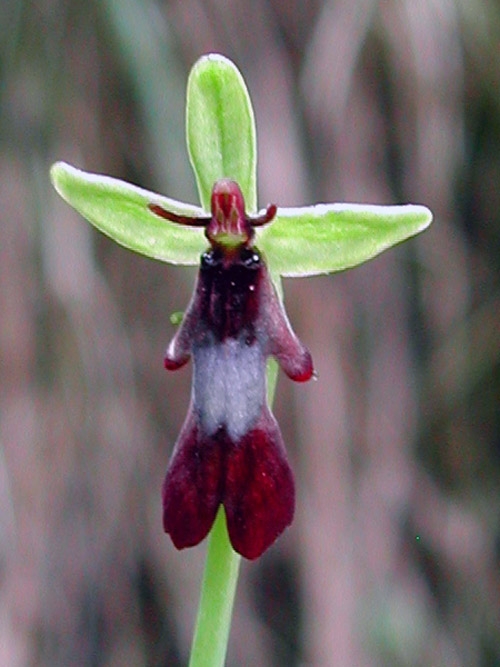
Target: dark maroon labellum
x: 230, y: 450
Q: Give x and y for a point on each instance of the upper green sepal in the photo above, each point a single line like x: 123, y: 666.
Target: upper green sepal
x: 120, y: 210
x: 220, y: 128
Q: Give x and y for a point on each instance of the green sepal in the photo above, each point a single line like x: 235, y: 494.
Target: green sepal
x: 333, y: 237
x: 120, y: 210
x: 220, y: 128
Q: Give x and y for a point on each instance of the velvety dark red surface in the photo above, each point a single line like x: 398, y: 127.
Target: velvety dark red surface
x: 229, y: 294
x: 251, y: 478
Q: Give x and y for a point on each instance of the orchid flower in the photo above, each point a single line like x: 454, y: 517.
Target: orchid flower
x: 230, y: 452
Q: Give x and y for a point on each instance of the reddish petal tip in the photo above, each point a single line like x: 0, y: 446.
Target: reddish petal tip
x: 306, y: 370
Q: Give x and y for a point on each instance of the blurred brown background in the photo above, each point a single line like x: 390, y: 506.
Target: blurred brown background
x: 394, y: 556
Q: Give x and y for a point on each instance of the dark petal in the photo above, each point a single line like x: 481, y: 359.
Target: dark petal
x: 259, y: 492
x: 191, y: 490
x: 193, y: 221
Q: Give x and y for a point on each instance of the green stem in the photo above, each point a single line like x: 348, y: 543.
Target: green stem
x: 219, y: 583
x: 217, y: 597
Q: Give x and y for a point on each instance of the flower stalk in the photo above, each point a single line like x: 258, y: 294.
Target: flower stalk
x: 220, y: 579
